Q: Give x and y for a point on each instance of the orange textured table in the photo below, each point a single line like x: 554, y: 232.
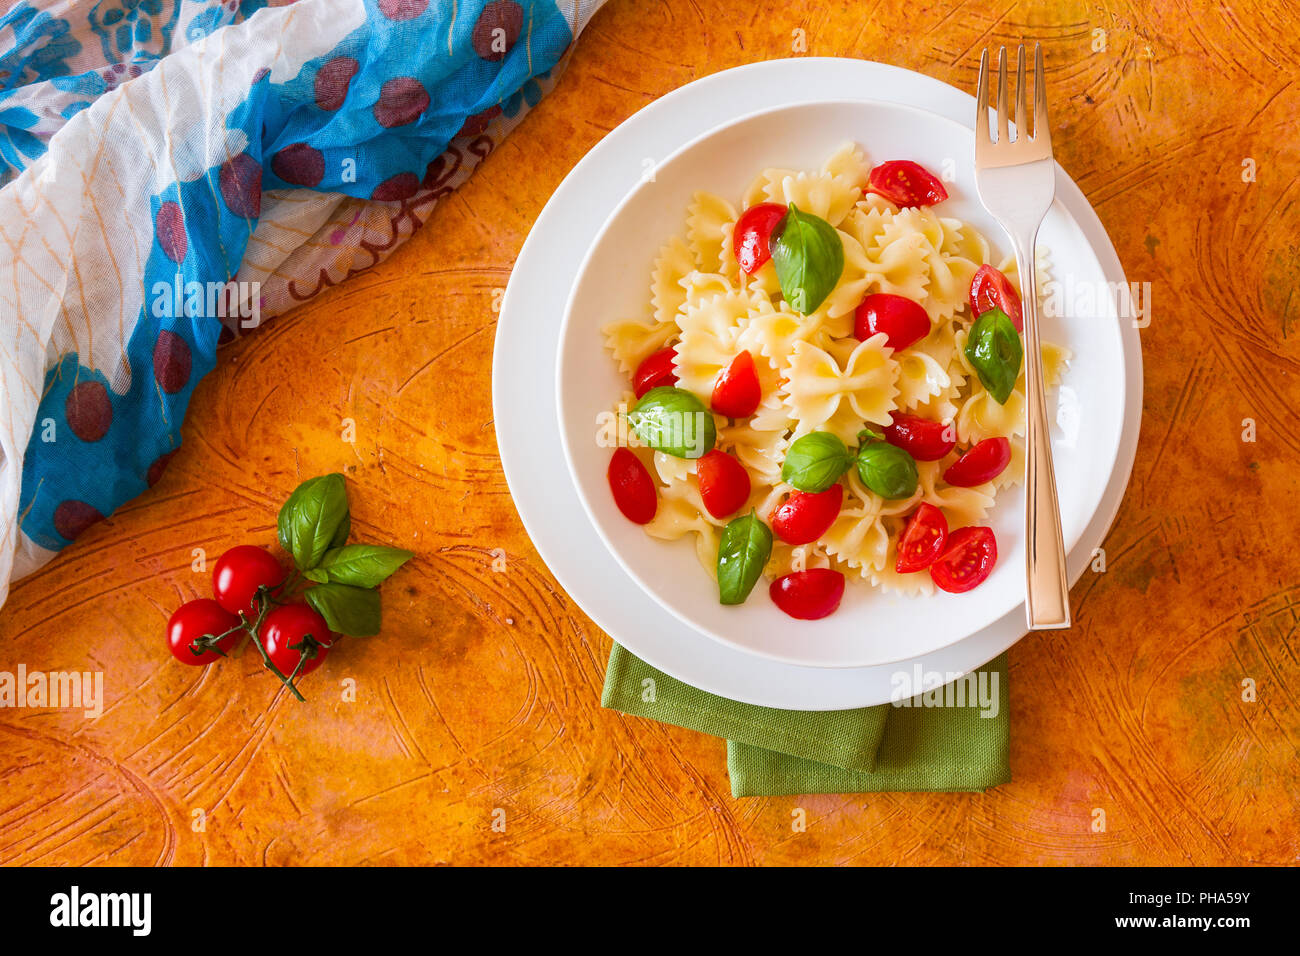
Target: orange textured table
x: 1163, y: 728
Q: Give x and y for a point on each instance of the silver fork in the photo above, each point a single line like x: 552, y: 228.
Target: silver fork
x: 1016, y: 181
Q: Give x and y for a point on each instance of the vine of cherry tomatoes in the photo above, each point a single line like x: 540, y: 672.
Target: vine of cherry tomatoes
x: 293, y: 614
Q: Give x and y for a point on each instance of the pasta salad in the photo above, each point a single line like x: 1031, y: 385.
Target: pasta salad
x: 828, y: 385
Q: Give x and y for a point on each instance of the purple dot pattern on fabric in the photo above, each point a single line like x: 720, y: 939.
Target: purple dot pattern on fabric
x: 171, y: 362
x: 89, y: 411
x: 169, y: 226
x: 497, y: 29
x: 401, y: 101
x: 299, y: 164
x: 332, y: 80
x: 240, y: 181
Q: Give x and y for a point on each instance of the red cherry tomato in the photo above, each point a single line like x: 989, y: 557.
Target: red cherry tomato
x: 923, y: 439
x: 923, y: 540
x: 905, y: 183
x: 990, y: 289
x: 737, y: 392
x: 805, y: 516
x: 982, y: 463
x: 193, y: 620
x: 289, y: 631
x: 966, y: 561
x: 655, y: 371
x: 808, y: 595
x: 724, y: 483
x: 900, y: 318
x: 633, y: 488
x: 752, y: 234
x: 240, y: 572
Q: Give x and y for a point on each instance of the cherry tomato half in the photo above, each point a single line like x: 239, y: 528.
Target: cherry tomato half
x: 737, y: 391
x: 752, y: 234
x: 923, y: 540
x: 193, y: 620
x: 292, y: 631
x: 655, y: 371
x: 966, y: 561
x: 904, y: 321
x: 240, y: 572
x: 633, y: 488
x: 990, y: 289
x: 982, y: 463
x: 905, y: 183
x: 805, y: 516
x: 921, y: 438
x: 808, y: 595
x: 724, y: 483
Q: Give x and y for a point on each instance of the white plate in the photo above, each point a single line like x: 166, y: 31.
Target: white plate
x: 613, y: 282
x: 525, y: 415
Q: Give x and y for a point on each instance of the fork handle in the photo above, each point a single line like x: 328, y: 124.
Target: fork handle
x: 1047, y: 603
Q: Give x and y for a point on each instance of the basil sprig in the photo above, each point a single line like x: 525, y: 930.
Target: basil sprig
x: 746, y: 545
x: 359, y: 565
x: 674, y: 421
x: 994, y: 351
x: 815, y: 462
x: 347, y: 610
x: 310, y: 518
x: 886, y: 469
x: 313, y: 527
x: 809, y: 258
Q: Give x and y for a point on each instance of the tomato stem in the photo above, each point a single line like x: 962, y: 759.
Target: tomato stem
x: 264, y: 603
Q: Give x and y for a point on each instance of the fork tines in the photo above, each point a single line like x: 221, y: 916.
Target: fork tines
x: 1030, y: 146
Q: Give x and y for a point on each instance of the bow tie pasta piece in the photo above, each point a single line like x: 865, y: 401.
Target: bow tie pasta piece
x: 788, y: 558
x: 961, y: 506
x: 671, y: 469
x: 860, y: 536
x: 888, y: 580
x: 849, y: 164
x: 710, y: 332
x: 702, y: 285
x: 709, y: 221
x: 920, y: 378
x: 761, y: 452
x: 980, y: 416
x: 842, y: 387
x: 773, y: 334
x: 674, y: 262
x: 1014, y: 473
x: 632, y: 341
x: 681, y: 512
x: 830, y: 193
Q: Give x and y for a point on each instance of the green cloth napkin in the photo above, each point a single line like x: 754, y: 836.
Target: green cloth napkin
x: 867, y: 750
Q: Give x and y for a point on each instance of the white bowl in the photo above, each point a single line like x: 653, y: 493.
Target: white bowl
x: 870, y: 627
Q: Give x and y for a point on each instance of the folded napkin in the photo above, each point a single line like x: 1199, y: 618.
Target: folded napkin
x: 952, y: 737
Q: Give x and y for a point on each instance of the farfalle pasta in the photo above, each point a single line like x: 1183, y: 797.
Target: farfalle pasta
x: 829, y: 381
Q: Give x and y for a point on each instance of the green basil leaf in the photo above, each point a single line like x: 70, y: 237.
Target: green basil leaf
x: 994, y: 351
x: 362, y: 565
x: 311, y: 517
x: 316, y: 574
x: 887, y: 470
x: 746, y: 545
x: 674, y: 421
x: 815, y: 462
x: 347, y: 610
x: 809, y: 258
x: 341, y: 535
